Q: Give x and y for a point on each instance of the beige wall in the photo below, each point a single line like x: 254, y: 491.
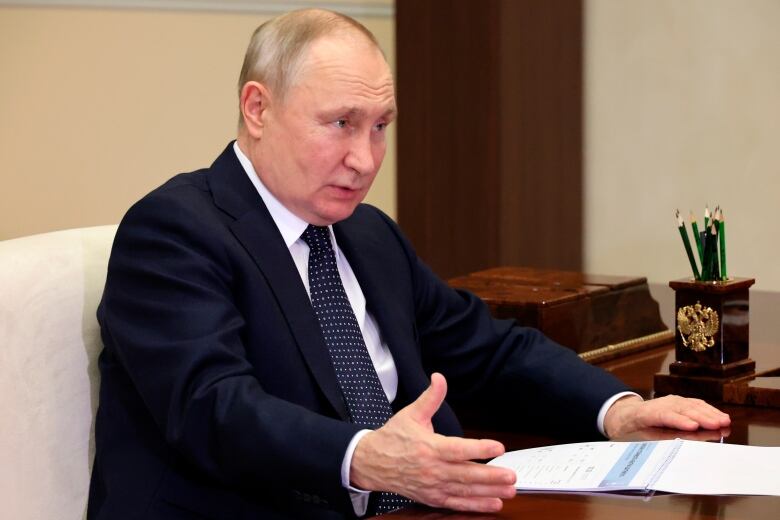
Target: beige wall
x: 682, y: 109
x: 97, y: 107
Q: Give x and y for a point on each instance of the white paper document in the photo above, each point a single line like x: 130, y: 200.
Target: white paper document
x: 675, y: 466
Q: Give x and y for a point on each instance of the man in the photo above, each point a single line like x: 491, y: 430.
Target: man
x: 273, y: 348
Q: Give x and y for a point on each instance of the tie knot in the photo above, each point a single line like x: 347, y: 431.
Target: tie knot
x: 316, y: 237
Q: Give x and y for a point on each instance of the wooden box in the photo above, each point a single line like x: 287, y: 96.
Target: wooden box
x: 596, y: 316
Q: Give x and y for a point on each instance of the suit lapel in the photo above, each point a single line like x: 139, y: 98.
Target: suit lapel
x: 255, y: 229
x: 367, y: 257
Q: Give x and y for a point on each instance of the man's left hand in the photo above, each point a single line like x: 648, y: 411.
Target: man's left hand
x: 631, y: 413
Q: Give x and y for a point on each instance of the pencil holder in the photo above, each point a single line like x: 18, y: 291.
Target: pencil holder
x: 712, y: 323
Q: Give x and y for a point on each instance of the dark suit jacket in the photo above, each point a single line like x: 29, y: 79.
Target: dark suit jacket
x: 218, y: 398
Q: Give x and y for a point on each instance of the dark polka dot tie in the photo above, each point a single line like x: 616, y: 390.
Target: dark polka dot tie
x: 366, y: 401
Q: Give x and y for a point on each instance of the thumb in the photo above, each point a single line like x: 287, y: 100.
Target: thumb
x: 430, y: 400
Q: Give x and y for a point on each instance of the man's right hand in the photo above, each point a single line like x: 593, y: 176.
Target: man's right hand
x: 406, y: 456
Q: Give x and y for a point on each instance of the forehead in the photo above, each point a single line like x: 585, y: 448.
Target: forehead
x: 345, y: 68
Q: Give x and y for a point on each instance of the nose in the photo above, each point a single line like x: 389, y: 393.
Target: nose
x: 360, y: 156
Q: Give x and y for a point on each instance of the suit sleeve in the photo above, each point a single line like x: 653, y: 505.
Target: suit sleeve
x: 499, y: 368
x: 169, y: 319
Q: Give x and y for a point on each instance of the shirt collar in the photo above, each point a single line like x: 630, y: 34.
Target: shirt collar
x: 290, y: 225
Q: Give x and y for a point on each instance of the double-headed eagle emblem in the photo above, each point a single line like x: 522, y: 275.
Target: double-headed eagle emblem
x: 697, y: 326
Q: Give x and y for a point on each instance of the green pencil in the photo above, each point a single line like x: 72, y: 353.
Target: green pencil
x: 709, y: 271
x: 706, y: 264
x: 687, y: 244
x: 714, y: 264
x: 697, y: 238
x: 722, y: 233
x: 706, y: 217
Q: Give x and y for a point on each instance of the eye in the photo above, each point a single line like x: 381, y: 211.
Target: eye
x: 380, y: 127
x: 341, y: 123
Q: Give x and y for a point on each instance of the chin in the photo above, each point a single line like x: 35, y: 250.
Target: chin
x: 333, y: 215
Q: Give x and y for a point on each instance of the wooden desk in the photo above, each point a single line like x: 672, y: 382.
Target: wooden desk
x: 750, y: 425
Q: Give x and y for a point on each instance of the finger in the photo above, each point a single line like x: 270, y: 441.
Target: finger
x: 430, y: 400
x: 479, y: 490
x: 717, y: 417
x: 456, y: 449
x: 700, y: 411
x: 476, y: 505
x: 673, y: 419
x: 472, y: 473
x: 706, y: 418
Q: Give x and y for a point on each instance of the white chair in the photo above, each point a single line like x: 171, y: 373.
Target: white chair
x: 50, y: 286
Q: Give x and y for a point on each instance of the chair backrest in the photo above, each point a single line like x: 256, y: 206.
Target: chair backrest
x: 50, y: 286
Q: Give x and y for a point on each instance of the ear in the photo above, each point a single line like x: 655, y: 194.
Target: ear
x: 255, y: 100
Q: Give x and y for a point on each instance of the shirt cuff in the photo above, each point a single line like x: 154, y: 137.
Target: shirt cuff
x: 359, y: 497
x: 604, y: 409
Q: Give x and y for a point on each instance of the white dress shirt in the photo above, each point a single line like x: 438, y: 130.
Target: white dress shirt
x: 292, y: 227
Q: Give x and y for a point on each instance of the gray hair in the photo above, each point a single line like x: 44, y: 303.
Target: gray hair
x: 278, y: 46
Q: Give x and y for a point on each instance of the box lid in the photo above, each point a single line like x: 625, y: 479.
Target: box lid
x: 579, y: 310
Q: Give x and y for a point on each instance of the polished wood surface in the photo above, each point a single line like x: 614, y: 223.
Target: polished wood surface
x: 666, y: 507
x: 752, y: 425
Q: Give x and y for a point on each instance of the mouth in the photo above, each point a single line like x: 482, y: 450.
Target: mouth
x: 345, y: 191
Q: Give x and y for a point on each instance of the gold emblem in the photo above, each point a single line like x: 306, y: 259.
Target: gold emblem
x: 697, y: 326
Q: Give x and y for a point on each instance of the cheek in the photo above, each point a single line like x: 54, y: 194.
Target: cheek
x: 307, y: 154
x: 323, y: 160
x: 379, y: 149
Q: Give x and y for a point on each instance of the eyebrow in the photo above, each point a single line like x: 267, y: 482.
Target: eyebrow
x: 391, y: 112
x: 352, y: 111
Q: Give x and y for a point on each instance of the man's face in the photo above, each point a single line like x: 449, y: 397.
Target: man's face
x: 322, y: 147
